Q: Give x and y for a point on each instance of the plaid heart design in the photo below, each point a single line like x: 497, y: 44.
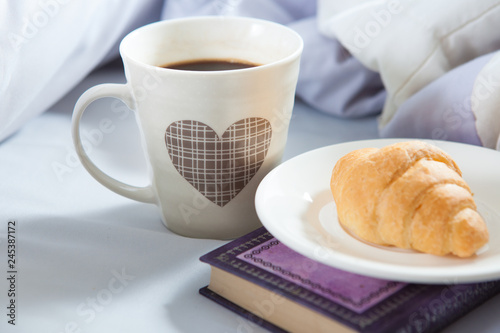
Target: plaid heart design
x: 219, y: 168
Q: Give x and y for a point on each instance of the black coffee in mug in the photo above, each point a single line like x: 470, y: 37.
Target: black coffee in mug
x: 205, y: 65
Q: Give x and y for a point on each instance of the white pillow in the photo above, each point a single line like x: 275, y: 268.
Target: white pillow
x: 47, y: 47
x: 411, y: 43
x: 485, y: 103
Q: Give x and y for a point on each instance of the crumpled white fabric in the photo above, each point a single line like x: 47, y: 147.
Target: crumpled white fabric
x: 48, y: 46
x: 442, y: 110
x: 485, y: 103
x: 416, y: 60
x: 412, y: 43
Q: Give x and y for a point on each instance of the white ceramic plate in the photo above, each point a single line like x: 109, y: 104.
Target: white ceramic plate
x: 295, y: 204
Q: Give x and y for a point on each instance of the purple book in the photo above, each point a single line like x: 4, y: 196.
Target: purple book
x: 261, y: 279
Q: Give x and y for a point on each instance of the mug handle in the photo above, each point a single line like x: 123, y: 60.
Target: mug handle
x: 121, y: 92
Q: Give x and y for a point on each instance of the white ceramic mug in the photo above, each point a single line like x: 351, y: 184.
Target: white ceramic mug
x: 210, y: 137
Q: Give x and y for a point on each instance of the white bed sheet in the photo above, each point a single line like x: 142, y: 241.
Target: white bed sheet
x: 89, y: 260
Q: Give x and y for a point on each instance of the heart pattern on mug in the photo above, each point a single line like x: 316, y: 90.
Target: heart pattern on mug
x: 218, y: 167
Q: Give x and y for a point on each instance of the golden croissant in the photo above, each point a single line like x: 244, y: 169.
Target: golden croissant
x: 410, y: 195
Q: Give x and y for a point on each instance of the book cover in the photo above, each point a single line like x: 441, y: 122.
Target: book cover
x: 358, y: 303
